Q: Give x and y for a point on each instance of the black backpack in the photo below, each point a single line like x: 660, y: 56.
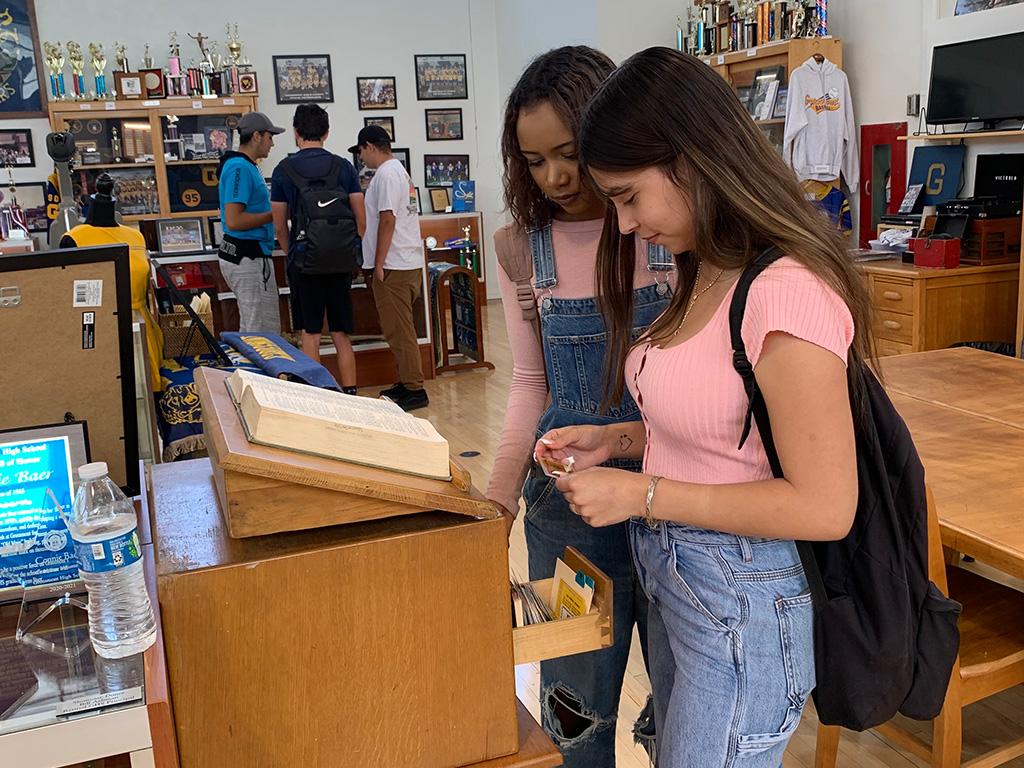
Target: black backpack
x: 885, y: 637
x: 324, y: 235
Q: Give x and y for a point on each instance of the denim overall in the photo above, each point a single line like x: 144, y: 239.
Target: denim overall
x: 580, y: 694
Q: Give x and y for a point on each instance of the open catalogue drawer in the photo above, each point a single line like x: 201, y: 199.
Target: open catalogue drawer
x: 578, y: 634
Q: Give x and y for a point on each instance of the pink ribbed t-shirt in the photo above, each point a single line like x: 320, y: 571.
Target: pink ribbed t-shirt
x: 693, y: 399
x: 575, y: 245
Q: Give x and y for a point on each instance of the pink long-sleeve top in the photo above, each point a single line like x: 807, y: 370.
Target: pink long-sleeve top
x: 575, y: 246
x: 693, y: 399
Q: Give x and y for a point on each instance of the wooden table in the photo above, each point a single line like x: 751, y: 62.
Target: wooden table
x: 965, y: 409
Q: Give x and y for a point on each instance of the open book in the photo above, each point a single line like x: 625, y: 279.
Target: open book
x: 361, y: 430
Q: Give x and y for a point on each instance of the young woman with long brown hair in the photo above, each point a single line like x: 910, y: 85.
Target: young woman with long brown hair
x: 557, y: 337
x: 730, y: 625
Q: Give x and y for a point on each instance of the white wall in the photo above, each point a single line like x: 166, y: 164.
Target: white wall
x: 361, y: 38
x: 887, y: 51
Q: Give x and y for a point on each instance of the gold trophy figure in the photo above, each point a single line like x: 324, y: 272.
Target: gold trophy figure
x: 55, y: 63
x: 122, y: 57
x: 234, y: 45
x: 77, y: 68
x: 99, y: 65
x: 201, y: 39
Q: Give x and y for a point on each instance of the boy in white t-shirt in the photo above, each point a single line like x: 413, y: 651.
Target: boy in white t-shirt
x: 393, y: 257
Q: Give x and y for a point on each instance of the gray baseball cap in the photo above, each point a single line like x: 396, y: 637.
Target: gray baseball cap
x: 251, y: 122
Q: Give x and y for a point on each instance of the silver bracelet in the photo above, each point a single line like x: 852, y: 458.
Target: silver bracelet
x: 648, y: 516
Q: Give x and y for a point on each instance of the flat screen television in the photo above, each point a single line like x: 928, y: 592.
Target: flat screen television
x: 977, y: 81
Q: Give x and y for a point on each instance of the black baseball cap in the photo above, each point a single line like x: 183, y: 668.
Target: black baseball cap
x: 371, y: 134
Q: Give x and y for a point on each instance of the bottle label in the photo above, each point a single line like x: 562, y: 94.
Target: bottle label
x: 109, y: 555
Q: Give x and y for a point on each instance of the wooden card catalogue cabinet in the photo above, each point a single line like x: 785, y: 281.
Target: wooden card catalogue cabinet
x: 340, y: 621
x: 375, y: 644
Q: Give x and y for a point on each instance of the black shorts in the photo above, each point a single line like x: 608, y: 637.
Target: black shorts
x: 332, y: 293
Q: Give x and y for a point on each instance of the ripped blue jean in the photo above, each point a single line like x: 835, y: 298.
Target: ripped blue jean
x: 580, y: 694
x: 730, y: 644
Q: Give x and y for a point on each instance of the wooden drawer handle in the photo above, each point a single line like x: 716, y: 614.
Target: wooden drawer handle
x: 892, y: 325
x: 892, y: 295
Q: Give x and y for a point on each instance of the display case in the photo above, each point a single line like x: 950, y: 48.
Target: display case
x: 752, y: 71
x: 163, y: 154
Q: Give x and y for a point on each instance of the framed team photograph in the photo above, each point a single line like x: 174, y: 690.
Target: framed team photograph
x: 387, y: 123
x: 377, y: 93
x: 441, y: 76
x: 443, y: 170
x: 16, y: 148
x: 179, y: 235
x: 303, y: 79
x: 444, y: 124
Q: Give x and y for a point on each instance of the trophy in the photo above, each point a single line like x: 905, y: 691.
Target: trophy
x: 55, y: 63
x: 204, y: 52
x: 679, y: 33
x: 77, y: 68
x: 467, y: 254
x: 122, y: 57
x: 99, y: 64
x: 172, y: 143
x: 115, y: 144
x: 234, y: 45
x: 177, y: 83
x: 147, y: 60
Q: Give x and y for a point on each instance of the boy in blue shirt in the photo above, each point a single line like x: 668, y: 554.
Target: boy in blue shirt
x: 248, y: 240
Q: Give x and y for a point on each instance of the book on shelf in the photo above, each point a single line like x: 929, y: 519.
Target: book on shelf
x: 360, y: 430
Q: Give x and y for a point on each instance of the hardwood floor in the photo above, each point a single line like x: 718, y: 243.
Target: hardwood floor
x: 469, y: 408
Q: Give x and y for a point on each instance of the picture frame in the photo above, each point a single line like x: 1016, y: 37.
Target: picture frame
x: 387, y: 123
x: 402, y: 155
x: 303, y: 79
x: 180, y: 235
x: 439, y: 200
x: 31, y: 197
x: 441, y: 76
x: 153, y: 85
x: 444, y: 124
x: 779, y: 110
x: 128, y: 85
x: 218, y: 138
x: 419, y: 201
x: 377, y: 93
x: 16, y: 148
x: 443, y: 170
x: 24, y: 78
x: 247, y: 83
x: 216, y: 231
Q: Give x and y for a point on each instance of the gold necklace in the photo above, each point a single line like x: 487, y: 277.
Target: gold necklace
x: 697, y: 294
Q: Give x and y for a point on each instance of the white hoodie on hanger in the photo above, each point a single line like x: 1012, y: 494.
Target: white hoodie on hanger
x: 821, y: 135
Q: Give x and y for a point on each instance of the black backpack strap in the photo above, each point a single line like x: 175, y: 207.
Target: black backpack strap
x: 756, y: 407
x: 300, y: 181
x: 755, y: 402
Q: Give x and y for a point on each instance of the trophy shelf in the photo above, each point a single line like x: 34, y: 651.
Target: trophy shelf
x: 176, y: 173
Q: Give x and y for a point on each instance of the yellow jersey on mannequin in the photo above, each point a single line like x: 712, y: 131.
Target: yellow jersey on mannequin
x: 102, y: 229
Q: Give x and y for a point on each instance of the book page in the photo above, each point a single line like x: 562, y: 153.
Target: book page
x: 326, y: 405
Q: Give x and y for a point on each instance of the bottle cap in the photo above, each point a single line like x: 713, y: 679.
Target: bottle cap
x: 92, y: 471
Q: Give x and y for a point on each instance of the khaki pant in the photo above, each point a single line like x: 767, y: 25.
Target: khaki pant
x: 394, y: 299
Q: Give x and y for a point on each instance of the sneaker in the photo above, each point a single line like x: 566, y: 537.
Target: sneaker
x: 412, y: 399
x: 395, y: 390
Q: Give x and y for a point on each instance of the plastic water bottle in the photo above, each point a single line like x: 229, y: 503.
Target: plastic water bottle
x: 121, y: 621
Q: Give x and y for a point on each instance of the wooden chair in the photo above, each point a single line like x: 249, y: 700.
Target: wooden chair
x: 991, y: 660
